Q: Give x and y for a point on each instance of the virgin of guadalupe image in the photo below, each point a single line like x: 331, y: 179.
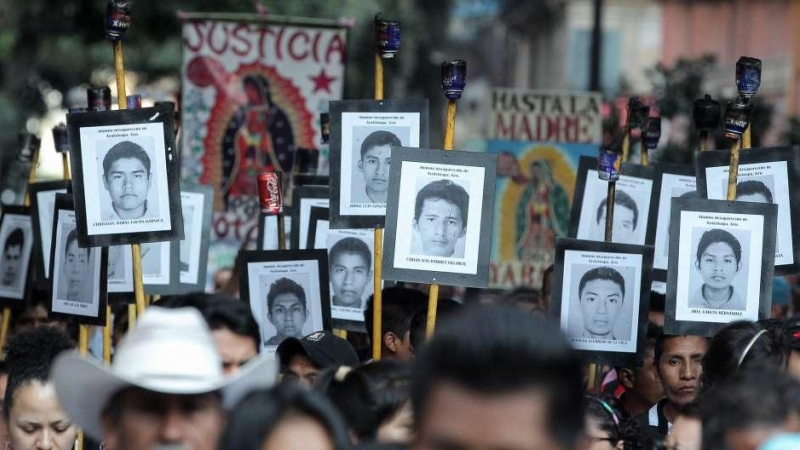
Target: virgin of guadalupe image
x: 258, y: 138
x: 543, y: 211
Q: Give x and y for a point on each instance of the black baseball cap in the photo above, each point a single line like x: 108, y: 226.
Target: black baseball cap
x: 323, y: 348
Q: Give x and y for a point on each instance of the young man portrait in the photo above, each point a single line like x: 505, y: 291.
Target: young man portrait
x: 601, y: 293
x: 626, y: 217
x: 753, y: 191
x: 12, y: 257
x: 287, y: 310
x: 374, y: 164
x: 76, y: 271
x: 127, y: 178
x: 350, y: 271
x: 440, y: 218
x: 719, y: 259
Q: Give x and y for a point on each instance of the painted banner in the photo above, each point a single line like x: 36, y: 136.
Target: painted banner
x: 545, y: 116
x: 535, y: 186
x: 252, y: 93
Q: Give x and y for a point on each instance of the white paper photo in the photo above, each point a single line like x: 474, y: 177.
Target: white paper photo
x: 192, y: 204
x: 45, y: 204
x: 305, y: 217
x: 155, y: 263
x: 120, y: 269
x: 350, y: 258
x: 631, y: 208
x: 16, y: 240
x: 672, y: 186
x: 76, y: 271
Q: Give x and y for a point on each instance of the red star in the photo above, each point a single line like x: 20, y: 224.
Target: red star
x: 322, y: 81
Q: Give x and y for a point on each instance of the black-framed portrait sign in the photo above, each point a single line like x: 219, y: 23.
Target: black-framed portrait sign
x: 268, y: 230
x: 161, y: 268
x: 304, y: 198
x: 43, y: 201
x: 363, y: 133
x: 720, y: 265
x: 766, y: 175
x: 120, y: 269
x: 351, y: 265
x: 438, y: 202
x: 287, y: 291
x: 196, y: 200
x: 125, y: 176
x: 631, y: 203
x: 78, y: 282
x: 16, y: 242
x: 601, y: 296
x: 670, y: 181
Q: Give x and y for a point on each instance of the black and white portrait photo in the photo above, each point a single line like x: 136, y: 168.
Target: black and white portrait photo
x: 350, y: 262
x: 125, y: 176
x: 439, y: 205
x: 760, y: 183
x: 156, y: 266
x: 120, y: 269
x: 671, y: 181
x: 193, y: 249
x: 16, y: 242
x: 303, y: 199
x: 363, y: 133
x: 288, y: 297
x: 601, y: 296
x: 43, y: 201
x: 720, y: 266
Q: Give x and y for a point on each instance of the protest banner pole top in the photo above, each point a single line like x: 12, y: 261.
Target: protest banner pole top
x: 651, y: 134
x: 748, y: 80
x: 61, y: 143
x: 706, y: 114
x: 454, y: 79
x: 387, y: 44
x: 737, y: 118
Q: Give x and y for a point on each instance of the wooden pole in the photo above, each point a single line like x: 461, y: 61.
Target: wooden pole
x: 433, y: 294
x: 626, y: 144
x: 65, y: 165
x: 377, y: 296
x: 131, y: 317
x: 733, y: 174
x: 703, y: 141
x: 610, y: 200
x: 281, y: 233
x: 747, y: 138
x: 107, y: 338
x: 645, y: 150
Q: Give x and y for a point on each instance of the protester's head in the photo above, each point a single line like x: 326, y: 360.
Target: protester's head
x: 753, y: 191
x: 34, y: 315
x: 601, y: 293
x: 399, y: 306
x: 495, y: 378
x: 75, y: 265
x: 642, y: 386
x: 745, y: 410
x: 127, y: 178
x: 687, y: 429
x: 444, y: 309
x: 440, y: 217
x: 164, y: 389
x: 741, y: 345
x: 679, y: 366
x: 376, y: 160
x: 284, y: 418
x: 351, y: 271
x: 657, y: 305
x: 374, y: 400
x: 305, y: 358
x: 608, y: 428
x: 12, y: 256
x: 626, y: 216
x: 234, y: 331
x: 719, y: 257
x: 32, y: 411
x: 286, y: 303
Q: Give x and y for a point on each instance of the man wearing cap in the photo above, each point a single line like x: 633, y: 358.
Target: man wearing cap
x: 165, y: 388
x: 305, y: 358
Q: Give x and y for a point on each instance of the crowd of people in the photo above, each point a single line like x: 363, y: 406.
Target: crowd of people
x: 191, y: 374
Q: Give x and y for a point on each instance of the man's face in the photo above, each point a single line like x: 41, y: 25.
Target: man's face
x: 375, y: 166
x: 234, y: 349
x: 718, y: 265
x: 304, y: 369
x: 601, y: 302
x: 755, y: 197
x: 288, y: 315
x: 680, y: 368
x: 37, y: 421
x: 349, y: 276
x: 76, y: 268
x: 11, y: 262
x: 127, y: 181
x: 455, y: 418
x: 623, y: 223
x: 148, y: 420
x: 439, y: 226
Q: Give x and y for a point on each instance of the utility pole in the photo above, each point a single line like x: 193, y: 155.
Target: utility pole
x: 596, y: 48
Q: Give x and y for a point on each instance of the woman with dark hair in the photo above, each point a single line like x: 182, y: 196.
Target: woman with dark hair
x: 374, y: 400
x: 608, y: 428
x: 286, y: 417
x: 742, y: 345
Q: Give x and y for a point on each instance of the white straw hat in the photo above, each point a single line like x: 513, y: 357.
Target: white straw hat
x: 169, y: 351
